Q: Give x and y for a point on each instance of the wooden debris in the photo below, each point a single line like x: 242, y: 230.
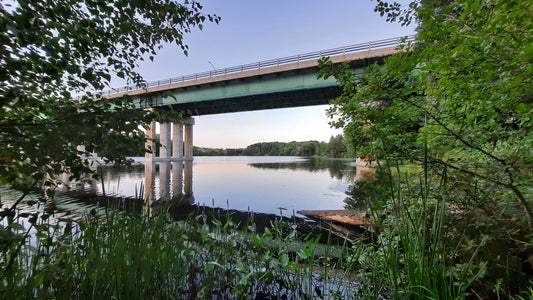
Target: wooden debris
x: 349, y: 224
x: 342, y: 216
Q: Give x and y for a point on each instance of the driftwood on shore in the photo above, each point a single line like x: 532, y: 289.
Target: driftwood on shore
x: 345, y: 223
x: 341, y: 216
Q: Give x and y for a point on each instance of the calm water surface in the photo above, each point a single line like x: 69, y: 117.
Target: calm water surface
x: 262, y: 184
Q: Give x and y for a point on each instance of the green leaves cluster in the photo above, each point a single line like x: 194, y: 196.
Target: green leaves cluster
x: 459, y: 97
x: 55, y: 57
x: 371, y: 106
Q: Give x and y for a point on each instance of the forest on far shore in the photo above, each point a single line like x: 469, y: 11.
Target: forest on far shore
x: 335, y: 148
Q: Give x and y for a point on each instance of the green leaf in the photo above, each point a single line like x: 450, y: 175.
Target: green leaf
x: 302, y: 254
x: 284, y: 260
x: 39, y: 279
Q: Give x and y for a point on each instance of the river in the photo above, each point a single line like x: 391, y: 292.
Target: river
x: 265, y: 184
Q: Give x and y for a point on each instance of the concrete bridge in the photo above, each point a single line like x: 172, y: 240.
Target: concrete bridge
x: 277, y: 83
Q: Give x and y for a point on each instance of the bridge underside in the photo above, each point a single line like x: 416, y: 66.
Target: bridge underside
x: 278, y: 86
x: 286, y: 99
x: 278, y: 90
x: 275, y: 87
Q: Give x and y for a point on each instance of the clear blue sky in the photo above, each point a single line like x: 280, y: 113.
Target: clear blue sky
x: 252, y: 31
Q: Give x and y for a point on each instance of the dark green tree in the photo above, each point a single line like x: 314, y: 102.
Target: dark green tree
x: 55, y: 58
x: 375, y: 110
x: 460, y: 97
x: 336, y: 146
x: 456, y: 104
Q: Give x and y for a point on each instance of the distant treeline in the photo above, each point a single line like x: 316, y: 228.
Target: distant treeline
x: 334, y: 148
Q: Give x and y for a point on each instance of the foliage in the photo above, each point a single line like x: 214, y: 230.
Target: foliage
x: 422, y: 249
x: 55, y: 58
x: 469, y: 76
x: 198, y: 151
x: 479, y: 82
x: 458, y: 103
x: 335, y: 148
x: 374, y: 111
x: 282, y: 149
x: 415, y: 251
x: 113, y: 254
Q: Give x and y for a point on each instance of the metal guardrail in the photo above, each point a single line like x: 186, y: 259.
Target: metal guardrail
x: 270, y: 63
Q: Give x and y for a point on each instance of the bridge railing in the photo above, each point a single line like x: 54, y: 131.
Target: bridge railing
x: 269, y: 63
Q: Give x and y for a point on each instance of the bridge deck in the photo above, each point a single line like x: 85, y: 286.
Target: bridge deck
x: 354, y: 59
x: 278, y: 83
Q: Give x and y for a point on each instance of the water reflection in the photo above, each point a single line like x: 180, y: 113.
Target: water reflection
x: 177, y: 174
x: 337, y: 168
x: 275, y: 185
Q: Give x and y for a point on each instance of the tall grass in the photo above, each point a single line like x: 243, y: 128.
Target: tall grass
x: 114, y: 254
x: 412, y: 255
x: 135, y: 256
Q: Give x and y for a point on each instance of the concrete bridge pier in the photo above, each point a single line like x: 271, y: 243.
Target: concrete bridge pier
x: 177, y: 141
x: 189, y: 122
x: 175, y: 161
x: 164, y: 139
x: 150, y: 144
x: 176, y: 144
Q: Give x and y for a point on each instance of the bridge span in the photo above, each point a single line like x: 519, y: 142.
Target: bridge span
x: 277, y: 83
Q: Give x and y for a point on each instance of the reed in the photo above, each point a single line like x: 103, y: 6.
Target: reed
x: 412, y: 255
x: 120, y: 254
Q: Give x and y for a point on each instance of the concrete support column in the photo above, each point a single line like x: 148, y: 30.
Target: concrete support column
x: 189, y: 122
x: 180, y: 141
x: 177, y: 140
x: 150, y: 135
x: 164, y: 139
